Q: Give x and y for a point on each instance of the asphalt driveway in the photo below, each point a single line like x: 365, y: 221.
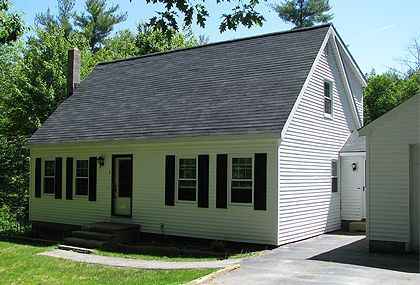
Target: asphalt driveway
x: 338, y: 258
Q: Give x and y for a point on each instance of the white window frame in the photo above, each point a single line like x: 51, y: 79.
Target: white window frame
x: 44, y: 176
x: 331, y: 98
x: 75, y: 178
x: 178, y: 158
x: 332, y: 176
x: 230, y: 158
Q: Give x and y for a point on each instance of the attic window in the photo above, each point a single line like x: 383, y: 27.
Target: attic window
x: 328, y: 98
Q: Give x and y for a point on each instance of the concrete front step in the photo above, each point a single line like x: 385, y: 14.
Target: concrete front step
x: 85, y: 243
x: 357, y: 226
x: 76, y: 249
x: 92, y: 235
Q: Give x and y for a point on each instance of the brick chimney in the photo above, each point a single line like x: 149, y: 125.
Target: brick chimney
x: 73, y: 70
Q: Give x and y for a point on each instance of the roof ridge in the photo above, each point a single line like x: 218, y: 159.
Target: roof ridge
x: 218, y: 43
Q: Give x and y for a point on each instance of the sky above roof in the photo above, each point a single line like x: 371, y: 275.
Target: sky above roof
x: 377, y: 32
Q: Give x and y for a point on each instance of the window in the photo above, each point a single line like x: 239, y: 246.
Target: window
x: 334, y: 176
x: 241, y: 180
x: 82, y: 177
x: 327, y: 98
x: 49, y: 176
x: 187, y: 179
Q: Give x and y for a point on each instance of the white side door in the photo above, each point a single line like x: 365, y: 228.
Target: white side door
x: 414, y: 196
x: 363, y: 188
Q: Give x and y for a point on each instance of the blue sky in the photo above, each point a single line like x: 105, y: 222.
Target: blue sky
x: 376, y: 31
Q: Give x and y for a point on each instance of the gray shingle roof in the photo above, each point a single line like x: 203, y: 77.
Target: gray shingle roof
x: 354, y: 143
x: 245, y: 86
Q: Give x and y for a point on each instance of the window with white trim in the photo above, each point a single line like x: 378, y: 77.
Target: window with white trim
x: 328, y: 99
x: 49, y: 176
x: 187, y: 179
x: 241, y: 180
x: 82, y: 177
x: 334, y: 176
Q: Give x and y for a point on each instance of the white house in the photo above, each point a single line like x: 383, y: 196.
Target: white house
x: 237, y: 140
x: 393, y: 173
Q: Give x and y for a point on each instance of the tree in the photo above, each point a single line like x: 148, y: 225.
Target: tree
x: 150, y: 40
x: 63, y: 19
x: 384, y: 92
x: 243, y: 13
x: 304, y: 13
x: 99, y: 21
x: 411, y: 62
x: 11, y: 24
x: 41, y: 83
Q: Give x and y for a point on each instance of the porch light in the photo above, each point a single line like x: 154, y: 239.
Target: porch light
x: 354, y: 166
x: 101, y: 161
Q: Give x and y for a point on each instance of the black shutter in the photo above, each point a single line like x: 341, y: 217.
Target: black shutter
x: 38, y: 165
x: 58, y: 177
x: 221, y: 181
x: 203, y: 181
x: 260, y: 181
x: 92, y: 178
x: 170, y: 180
x: 69, y: 178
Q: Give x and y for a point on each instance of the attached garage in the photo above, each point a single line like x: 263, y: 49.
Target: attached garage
x: 392, y: 172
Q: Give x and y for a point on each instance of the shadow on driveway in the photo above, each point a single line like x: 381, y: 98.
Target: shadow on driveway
x: 357, y: 253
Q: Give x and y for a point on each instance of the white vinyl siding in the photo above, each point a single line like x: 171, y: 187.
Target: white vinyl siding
x: 388, y: 173
x: 236, y: 223
x: 307, y: 207
x: 356, y: 88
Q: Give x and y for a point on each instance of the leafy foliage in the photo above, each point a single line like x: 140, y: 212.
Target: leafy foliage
x: 33, y: 75
x: 11, y: 24
x: 243, y: 13
x: 304, y: 13
x: 385, y: 91
x: 98, y: 22
x: 150, y: 40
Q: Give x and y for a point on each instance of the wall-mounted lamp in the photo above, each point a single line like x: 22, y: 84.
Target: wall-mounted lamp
x: 354, y: 166
x: 101, y: 161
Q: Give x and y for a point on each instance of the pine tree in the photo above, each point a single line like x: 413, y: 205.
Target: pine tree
x: 98, y: 22
x: 304, y: 13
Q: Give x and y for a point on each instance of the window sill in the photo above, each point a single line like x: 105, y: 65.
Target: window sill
x: 186, y: 202
x: 241, y: 204
x: 80, y: 196
x: 328, y: 116
x: 48, y: 194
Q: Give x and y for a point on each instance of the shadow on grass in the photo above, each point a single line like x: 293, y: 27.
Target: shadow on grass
x: 357, y: 253
x: 168, y: 252
x: 27, y: 239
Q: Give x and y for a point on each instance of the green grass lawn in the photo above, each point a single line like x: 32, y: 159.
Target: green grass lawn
x: 20, y: 264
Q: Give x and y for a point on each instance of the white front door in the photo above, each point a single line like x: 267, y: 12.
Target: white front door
x: 363, y: 188
x: 414, y: 196
x: 122, y: 185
